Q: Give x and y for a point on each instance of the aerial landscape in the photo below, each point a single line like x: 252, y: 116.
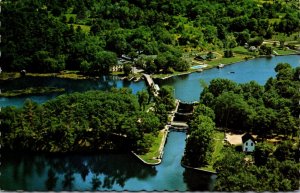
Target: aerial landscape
x: 150, y: 95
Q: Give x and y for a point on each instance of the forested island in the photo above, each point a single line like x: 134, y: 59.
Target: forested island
x: 99, y: 37
x: 95, y: 121
x: 270, y: 111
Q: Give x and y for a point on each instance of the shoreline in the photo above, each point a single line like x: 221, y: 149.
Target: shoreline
x: 197, y: 169
x: 74, y: 76
x: 161, y: 150
x: 211, y: 67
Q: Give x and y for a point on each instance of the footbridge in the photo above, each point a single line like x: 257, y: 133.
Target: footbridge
x: 154, y: 87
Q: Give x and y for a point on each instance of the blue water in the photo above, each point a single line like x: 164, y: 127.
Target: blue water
x: 102, y: 83
x: 116, y: 172
x: 188, y: 87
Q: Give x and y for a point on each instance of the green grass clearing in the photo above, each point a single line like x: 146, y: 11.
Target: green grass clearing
x: 154, y: 149
x: 283, y: 51
x: 217, y: 153
x: 69, y: 15
x: 85, y: 28
x: 234, y: 59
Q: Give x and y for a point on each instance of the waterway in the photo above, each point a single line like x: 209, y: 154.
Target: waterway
x: 102, y: 172
x: 120, y: 172
x: 70, y: 85
x: 188, y: 87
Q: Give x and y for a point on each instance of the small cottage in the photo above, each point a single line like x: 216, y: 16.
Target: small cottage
x: 248, y: 143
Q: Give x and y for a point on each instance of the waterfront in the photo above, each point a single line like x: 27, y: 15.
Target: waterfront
x: 188, y: 87
x: 122, y: 172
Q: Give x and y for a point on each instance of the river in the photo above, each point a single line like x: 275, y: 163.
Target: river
x: 121, y: 172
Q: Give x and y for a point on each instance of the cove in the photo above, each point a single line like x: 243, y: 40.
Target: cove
x: 116, y: 172
x: 70, y: 85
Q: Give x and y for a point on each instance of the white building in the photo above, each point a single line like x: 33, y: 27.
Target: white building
x: 248, y: 143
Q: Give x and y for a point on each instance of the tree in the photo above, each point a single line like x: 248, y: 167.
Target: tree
x: 228, y: 53
x: 104, y: 60
x: 287, y: 150
x: 257, y: 41
x: 143, y: 98
x: 264, y: 121
x: 262, y: 153
x: 201, y: 109
x: 286, y: 122
x: 166, y: 97
x: 230, y: 41
x: 233, y: 112
x: 219, y: 85
x: 265, y: 50
x: 243, y: 37
x: 127, y: 69
x: 199, y: 143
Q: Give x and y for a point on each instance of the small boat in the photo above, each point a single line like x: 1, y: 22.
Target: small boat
x: 232, y: 72
x: 220, y: 65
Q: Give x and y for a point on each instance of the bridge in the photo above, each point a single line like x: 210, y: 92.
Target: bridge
x: 151, y: 84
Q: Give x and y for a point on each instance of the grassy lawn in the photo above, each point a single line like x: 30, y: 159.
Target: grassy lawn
x: 243, y: 51
x: 154, y: 150
x: 283, y: 52
x: 217, y: 153
x: 236, y: 58
x: 173, y: 74
x: 85, y: 28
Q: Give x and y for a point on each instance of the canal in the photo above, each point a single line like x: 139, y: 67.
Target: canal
x: 120, y: 171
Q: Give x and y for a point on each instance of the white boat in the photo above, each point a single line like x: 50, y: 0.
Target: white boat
x: 220, y: 65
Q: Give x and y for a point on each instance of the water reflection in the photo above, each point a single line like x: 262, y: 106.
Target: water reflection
x: 72, y: 172
x: 101, y: 83
x: 96, y: 183
x: 198, y: 181
x: 51, y: 181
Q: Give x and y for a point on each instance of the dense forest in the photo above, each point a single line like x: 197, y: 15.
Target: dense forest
x: 273, y: 169
x: 272, y: 109
x: 89, y: 36
x: 94, y: 121
x: 268, y: 111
